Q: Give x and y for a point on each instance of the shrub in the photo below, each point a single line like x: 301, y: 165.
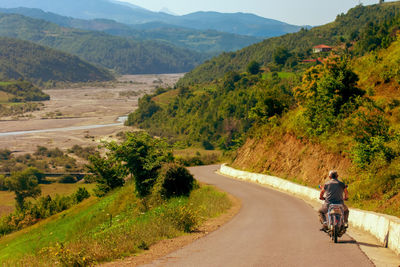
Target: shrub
x: 3, y: 184
x: 107, y: 172
x: 67, y: 179
x: 24, y: 184
x: 174, y: 180
x: 81, y: 195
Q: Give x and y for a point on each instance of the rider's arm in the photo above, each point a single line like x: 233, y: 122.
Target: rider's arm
x: 346, y: 194
x: 321, y: 195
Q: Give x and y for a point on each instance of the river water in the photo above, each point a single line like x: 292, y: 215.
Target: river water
x: 121, y: 120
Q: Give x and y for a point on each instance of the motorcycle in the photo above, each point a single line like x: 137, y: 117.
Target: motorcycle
x: 335, y: 222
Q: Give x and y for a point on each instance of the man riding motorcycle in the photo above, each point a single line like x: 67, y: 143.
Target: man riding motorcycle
x: 332, y: 192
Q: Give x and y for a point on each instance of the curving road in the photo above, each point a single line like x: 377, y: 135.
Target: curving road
x: 271, y: 229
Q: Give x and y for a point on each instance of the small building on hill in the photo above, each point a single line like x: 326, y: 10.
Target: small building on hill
x: 321, y: 48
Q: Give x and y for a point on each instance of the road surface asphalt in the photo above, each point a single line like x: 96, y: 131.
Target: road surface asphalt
x: 271, y: 229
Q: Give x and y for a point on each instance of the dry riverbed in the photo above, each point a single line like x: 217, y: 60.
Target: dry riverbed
x: 89, y: 105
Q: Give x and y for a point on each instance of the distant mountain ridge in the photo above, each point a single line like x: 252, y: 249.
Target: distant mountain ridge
x: 236, y: 23
x: 119, y: 54
x: 209, y: 41
x: 32, y: 62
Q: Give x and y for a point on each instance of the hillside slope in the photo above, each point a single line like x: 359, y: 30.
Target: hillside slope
x: 22, y: 91
x: 208, y: 41
x: 29, y: 61
x: 120, y: 54
x: 345, y: 28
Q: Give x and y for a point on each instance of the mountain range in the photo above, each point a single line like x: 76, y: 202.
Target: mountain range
x: 236, y: 23
x: 29, y: 61
x: 205, y: 41
x: 122, y: 55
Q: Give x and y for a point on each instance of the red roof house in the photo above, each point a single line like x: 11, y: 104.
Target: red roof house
x: 321, y: 48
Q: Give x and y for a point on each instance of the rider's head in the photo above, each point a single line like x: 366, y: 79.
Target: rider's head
x: 333, y: 174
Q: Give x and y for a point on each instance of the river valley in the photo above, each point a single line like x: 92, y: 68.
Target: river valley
x: 84, y: 115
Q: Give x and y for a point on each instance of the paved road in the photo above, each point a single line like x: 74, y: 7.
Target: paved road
x: 271, y: 229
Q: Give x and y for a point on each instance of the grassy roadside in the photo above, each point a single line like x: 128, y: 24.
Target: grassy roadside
x: 110, y: 228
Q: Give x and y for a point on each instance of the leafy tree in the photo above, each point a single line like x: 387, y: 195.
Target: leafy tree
x: 143, y: 156
x: 81, y: 194
x: 108, y: 173
x: 281, y: 55
x: 326, y: 92
x: 253, y: 67
x: 24, y: 184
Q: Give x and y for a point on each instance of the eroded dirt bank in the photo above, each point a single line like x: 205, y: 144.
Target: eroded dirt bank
x: 290, y: 157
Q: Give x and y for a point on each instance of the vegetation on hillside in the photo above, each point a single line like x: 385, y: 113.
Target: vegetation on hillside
x: 22, y: 91
x: 161, y: 200
x: 36, y: 63
x: 215, y: 115
x: 346, y: 29
x: 116, y: 53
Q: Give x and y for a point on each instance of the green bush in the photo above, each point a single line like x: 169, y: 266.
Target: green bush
x: 81, y: 195
x: 174, y: 180
x: 3, y: 184
x: 107, y: 172
x: 67, y: 179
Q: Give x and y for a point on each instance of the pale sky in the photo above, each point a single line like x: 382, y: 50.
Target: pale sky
x: 309, y: 12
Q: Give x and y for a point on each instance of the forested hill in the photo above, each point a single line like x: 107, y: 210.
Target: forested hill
x: 296, y: 46
x: 205, y: 41
x: 117, y: 53
x: 29, y: 61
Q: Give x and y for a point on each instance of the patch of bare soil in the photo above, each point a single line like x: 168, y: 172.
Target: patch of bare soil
x: 288, y: 156
x: 89, y: 105
x: 168, y: 246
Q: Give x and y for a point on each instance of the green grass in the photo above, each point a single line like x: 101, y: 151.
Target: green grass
x: 166, y: 98
x: 6, y: 83
x: 7, y: 198
x: 84, y: 234
x: 282, y: 75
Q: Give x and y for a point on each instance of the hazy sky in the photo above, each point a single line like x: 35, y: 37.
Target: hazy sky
x: 309, y: 12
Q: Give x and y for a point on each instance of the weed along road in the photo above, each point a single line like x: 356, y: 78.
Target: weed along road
x: 271, y: 229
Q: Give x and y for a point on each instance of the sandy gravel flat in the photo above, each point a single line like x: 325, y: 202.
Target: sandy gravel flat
x: 89, y: 105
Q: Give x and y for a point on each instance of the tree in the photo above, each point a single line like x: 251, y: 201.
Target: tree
x: 281, y: 55
x: 143, y: 156
x: 253, y: 67
x: 108, y: 172
x: 24, y: 184
x: 326, y: 92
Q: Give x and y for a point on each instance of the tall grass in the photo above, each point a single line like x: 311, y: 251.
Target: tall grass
x: 105, y: 229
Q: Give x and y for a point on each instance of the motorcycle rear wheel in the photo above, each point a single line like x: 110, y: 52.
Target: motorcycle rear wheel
x: 335, y: 233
